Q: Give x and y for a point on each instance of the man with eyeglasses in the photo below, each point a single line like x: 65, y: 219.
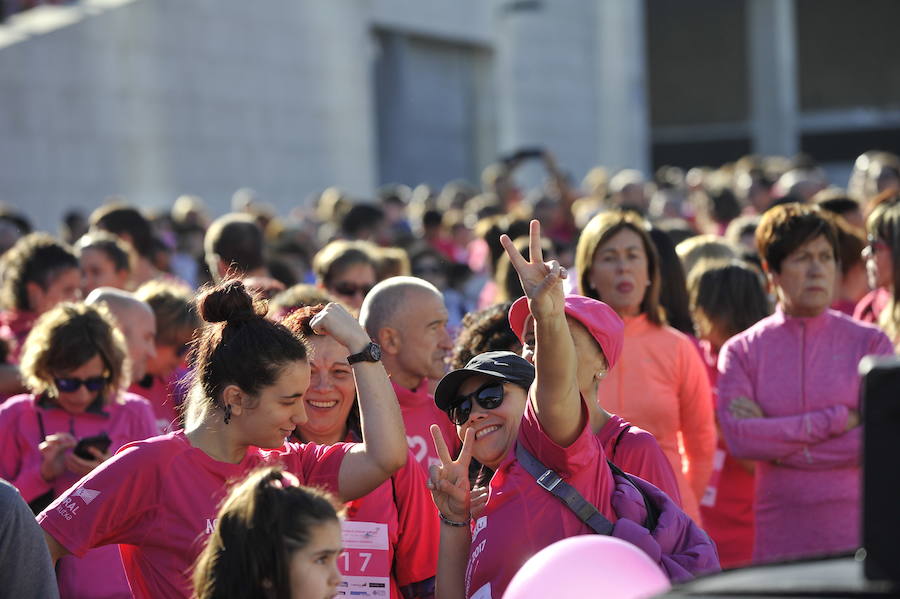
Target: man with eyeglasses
x: 407, y: 317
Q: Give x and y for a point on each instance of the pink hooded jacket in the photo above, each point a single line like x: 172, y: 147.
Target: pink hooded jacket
x: 802, y: 372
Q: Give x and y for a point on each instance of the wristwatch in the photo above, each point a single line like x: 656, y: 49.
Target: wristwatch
x: 371, y: 353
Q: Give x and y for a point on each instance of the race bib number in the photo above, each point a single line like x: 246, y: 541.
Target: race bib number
x: 365, y: 562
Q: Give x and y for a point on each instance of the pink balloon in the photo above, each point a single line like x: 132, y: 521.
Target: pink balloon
x: 588, y: 566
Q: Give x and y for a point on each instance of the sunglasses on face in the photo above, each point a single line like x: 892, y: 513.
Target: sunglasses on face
x: 68, y: 384
x: 350, y: 289
x: 487, y: 396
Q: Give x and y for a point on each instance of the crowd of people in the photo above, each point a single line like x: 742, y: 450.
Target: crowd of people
x: 412, y: 396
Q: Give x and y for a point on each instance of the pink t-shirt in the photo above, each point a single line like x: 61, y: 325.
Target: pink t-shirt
x: 419, y: 413
x: 157, y: 499
x: 521, y: 518
x: 164, y: 397
x: 636, y: 451
x: 99, y: 572
x: 404, y: 504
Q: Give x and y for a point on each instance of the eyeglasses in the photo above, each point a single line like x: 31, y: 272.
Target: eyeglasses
x: 69, y: 384
x: 351, y: 289
x: 487, y: 396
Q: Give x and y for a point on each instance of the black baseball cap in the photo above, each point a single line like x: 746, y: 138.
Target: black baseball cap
x: 502, y: 365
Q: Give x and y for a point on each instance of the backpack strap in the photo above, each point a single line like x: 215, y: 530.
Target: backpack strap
x: 569, y: 495
x: 615, y: 447
x: 652, y: 510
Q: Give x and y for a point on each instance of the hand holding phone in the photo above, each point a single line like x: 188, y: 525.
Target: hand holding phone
x: 100, y: 442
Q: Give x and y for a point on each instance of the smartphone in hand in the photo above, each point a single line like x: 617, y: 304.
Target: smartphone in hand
x: 101, y: 442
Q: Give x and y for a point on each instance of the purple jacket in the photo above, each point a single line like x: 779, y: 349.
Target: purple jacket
x: 677, y: 544
x: 802, y: 372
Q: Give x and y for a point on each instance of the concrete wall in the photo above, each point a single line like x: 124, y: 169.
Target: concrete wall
x: 152, y: 98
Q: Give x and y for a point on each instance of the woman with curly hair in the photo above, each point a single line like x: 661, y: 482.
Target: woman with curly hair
x: 75, y: 416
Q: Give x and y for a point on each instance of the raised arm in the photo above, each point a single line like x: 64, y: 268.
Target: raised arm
x: 555, y: 396
x: 383, y: 450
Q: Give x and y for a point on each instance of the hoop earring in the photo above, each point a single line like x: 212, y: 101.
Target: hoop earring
x: 227, y: 413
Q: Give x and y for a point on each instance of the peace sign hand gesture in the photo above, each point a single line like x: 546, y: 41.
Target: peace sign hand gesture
x: 449, y: 482
x: 541, y: 281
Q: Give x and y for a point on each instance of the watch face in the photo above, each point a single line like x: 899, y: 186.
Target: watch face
x: 375, y: 351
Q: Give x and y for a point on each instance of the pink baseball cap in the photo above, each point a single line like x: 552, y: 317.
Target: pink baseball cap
x: 599, y: 319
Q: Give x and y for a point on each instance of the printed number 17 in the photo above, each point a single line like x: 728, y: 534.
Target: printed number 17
x: 366, y: 558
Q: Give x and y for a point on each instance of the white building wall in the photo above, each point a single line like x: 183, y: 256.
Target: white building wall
x: 153, y: 98
x: 545, y: 79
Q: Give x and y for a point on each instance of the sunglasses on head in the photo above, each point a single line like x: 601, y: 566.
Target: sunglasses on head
x: 350, y: 289
x: 68, y: 384
x: 488, y: 396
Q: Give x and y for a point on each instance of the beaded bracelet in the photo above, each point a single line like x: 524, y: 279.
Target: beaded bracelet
x: 449, y: 522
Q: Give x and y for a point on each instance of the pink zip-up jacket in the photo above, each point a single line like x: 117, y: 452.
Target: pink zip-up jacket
x: 803, y: 374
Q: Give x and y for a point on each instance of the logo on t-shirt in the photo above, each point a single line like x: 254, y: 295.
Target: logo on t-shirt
x: 419, y: 447
x: 87, y: 495
x: 480, y: 525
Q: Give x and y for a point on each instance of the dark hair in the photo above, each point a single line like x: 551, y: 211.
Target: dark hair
x: 16, y: 219
x: 601, y: 229
x: 115, y: 249
x: 729, y: 294
x: 785, y: 227
x: 236, y: 239
x: 298, y: 323
x: 673, y: 294
x: 261, y: 523
x: 851, y: 242
x: 722, y: 204
x: 840, y: 205
x: 482, y: 331
x: 35, y: 258
x: 361, y: 217
x: 240, y: 346
x: 121, y: 219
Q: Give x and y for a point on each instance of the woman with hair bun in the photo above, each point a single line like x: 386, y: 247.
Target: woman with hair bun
x: 273, y: 538
x: 157, y: 499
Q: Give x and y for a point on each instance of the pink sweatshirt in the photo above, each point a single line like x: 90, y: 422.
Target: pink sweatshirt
x: 660, y: 384
x: 803, y: 374
x: 99, y: 572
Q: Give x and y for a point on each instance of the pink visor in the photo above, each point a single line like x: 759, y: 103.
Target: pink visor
x: 598, y: 318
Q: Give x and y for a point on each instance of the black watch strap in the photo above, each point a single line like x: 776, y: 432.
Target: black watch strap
x: 371, y: 353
